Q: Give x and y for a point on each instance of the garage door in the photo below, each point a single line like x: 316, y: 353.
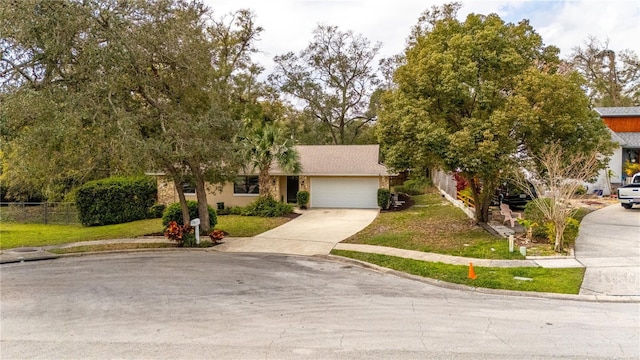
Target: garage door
x: 344, y: 192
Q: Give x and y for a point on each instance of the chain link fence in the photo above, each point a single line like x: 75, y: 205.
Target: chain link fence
x: 38, y: 213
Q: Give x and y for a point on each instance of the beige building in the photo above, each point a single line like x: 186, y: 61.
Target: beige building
x: 336, y: 176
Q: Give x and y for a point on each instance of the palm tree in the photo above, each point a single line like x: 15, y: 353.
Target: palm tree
x: 265, y: 144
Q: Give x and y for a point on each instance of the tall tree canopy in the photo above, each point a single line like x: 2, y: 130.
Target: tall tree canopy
x: 334, y: 78
x: 125, y: 86
x: 474, y: 95
x: 613, y: 78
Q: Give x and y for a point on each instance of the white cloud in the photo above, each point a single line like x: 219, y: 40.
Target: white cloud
x: 565, y: 23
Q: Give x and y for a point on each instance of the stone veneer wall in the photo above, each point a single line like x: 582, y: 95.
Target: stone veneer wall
x: 275, y: 187
x: 385, y: 182
x: 166, y: 190
x: 303, y: 182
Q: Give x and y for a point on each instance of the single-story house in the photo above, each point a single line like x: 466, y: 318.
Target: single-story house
x: 624, y: 125
x: 336, y: 176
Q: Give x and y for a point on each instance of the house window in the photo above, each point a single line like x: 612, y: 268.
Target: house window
x: 246, y: 185
x: 189, y: 186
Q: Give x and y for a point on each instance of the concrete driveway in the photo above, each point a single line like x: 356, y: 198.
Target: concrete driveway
x: 315, y: 232
x: 609, y: 247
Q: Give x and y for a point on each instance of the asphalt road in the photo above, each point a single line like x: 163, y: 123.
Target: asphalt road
x: 608, y: 245
x: 208, y: 305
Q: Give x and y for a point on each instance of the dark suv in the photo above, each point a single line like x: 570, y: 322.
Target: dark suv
x: 510, y: 194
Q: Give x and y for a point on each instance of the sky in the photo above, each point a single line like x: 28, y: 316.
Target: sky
x: 288, y: 24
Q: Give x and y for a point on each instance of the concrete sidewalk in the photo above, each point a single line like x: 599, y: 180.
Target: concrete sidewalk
x: 560, y: 262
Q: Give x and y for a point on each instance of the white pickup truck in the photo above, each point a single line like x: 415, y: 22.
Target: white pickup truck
x: 629, y: 195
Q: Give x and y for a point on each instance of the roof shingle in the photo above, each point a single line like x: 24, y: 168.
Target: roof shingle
x: 618, y: 111
x: 338, y: 160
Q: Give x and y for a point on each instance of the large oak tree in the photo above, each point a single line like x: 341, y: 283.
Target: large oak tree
x: 474, y: 95
x: 115, y: 86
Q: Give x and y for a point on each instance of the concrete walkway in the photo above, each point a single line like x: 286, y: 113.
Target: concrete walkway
x: 559, y: 262
x: 608, y: 245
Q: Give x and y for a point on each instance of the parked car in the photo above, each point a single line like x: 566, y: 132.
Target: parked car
x: 629, y: 195
x: 512, y: 195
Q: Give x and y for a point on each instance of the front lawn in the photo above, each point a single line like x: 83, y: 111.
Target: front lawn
x: 18, y: 235
x: 563, y: 281
x: 247, y: 226
x: 434, y: 225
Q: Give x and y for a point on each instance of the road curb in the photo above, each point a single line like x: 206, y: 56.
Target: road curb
x: 515, y: 293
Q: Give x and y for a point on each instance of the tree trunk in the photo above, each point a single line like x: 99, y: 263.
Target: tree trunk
x: 177, y: 181
x: 559, y: 226
x: 264, y: 182
x: 481, y: 201
x: 203, y: 206
x: 186, y: 218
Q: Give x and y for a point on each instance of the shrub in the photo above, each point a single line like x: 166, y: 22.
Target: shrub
x: 184, y: 235
x: 546, y: 228
x: 303, y: 199
x: 115, y: 200
x: 174, y: 213
x: 413, y: 186
x: 531, y: 212
x: 156, y: 211
x: 216, y: 235
x: 384, y: 197
x: 581, y: 190
x: 571, y: 231
x: 223, y: 211
x: 266, y: 206
x: 568, y: 236
x: 631, y: 168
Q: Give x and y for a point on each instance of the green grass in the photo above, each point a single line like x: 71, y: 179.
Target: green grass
x: 111, y: 247
x: 563, y: 281
x: 17, y: 235
x: 247, y: 226
x: 434, y: 225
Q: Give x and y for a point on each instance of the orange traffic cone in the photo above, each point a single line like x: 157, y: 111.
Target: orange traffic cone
x: 472, y: 273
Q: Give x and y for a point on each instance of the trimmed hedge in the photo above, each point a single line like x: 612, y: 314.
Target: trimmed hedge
x: 303, y: 199
x: 266, y: 206
x: 115, y: 200
x: 384, y: 198
x: 174, y: 213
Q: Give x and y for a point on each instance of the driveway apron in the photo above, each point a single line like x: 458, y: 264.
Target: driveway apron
x: 315, y: 232
x: 608, y: 245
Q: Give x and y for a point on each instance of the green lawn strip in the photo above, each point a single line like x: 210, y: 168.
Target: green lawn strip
x: 111, y: 247
x: 247, y: 226
x: 563, y: 281
x: 434, y: 225
x: 17, y: 235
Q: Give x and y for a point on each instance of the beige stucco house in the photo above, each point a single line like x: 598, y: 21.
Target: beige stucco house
x: 336, y: 176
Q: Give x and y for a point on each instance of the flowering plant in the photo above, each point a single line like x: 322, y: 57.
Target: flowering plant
x: 216, y: 235
x: 182, y: 234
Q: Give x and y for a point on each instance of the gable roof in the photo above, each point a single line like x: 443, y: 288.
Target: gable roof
x: 630, y: 139
x: 338, y: 160
x: 618, y: 111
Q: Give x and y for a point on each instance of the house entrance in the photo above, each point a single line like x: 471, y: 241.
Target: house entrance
x: 292, y: 189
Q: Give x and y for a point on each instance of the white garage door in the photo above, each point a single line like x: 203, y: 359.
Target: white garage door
x: 344, y: 192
